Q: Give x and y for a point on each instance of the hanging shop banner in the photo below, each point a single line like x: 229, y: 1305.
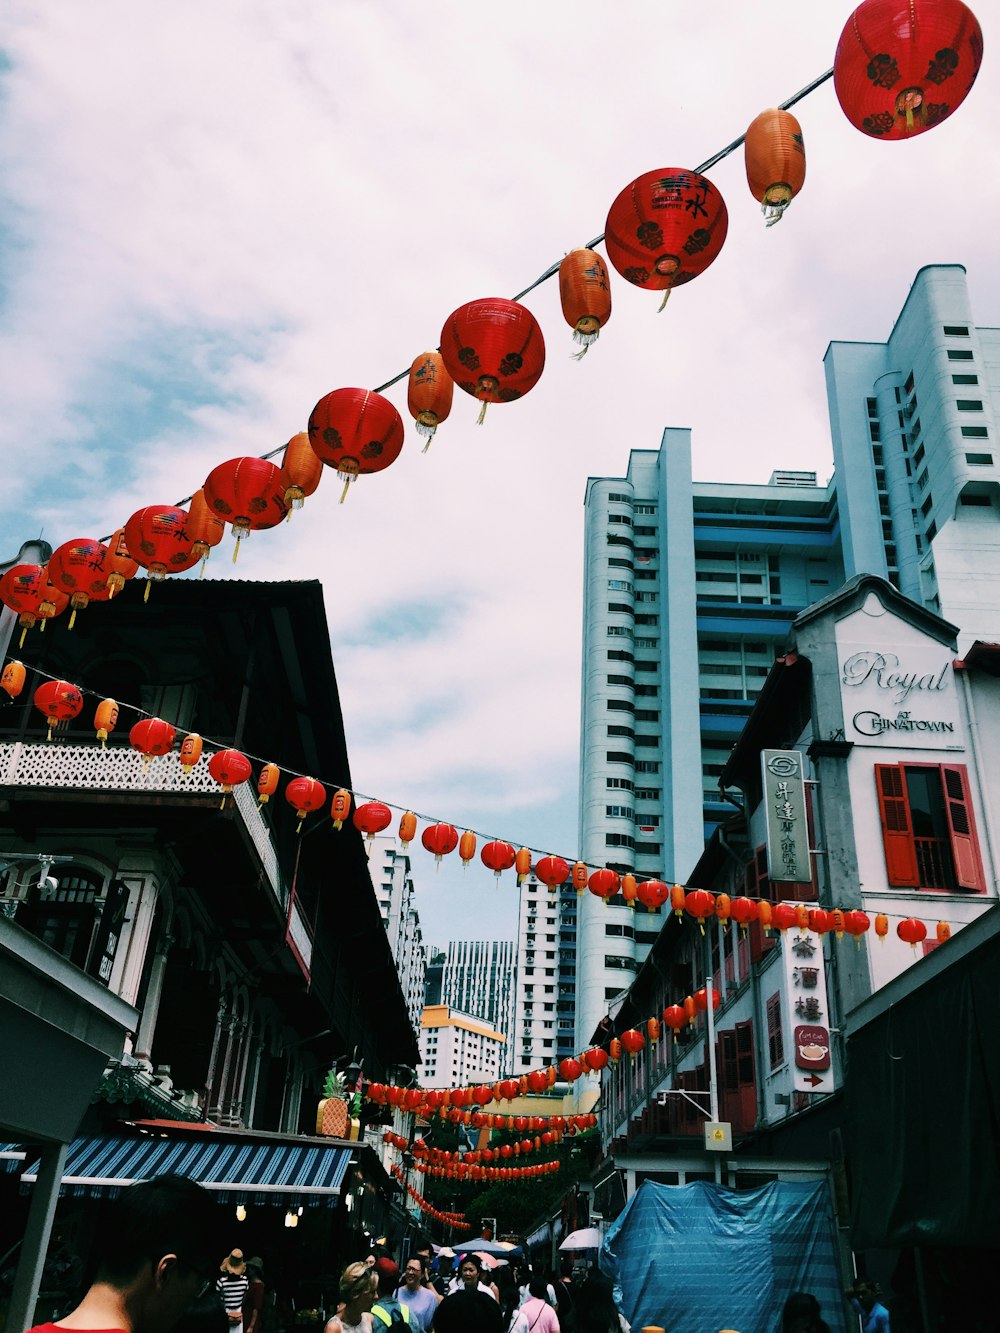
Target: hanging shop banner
x: 787, y: 826
x: 808, y: 1012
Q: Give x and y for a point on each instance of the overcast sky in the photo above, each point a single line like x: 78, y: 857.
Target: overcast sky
x: 213, y: 214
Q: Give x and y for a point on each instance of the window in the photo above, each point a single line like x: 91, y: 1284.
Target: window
x: 647, y: 715
x: 974, y: 432
x: 620, y: 706
x: 737, y: 1078
x: 655, y: 620
x: 925, y: 508
x: 645, y: 532
x: 956, y: 330
x: 625, y: 931
x: 626, y: 964
x: 618, y: 840
x: 619, y: 632
x: 647, y: 766
x: 928, y: 828
x: 981, y: 501
x: 872, y: 406
x: 970, y: 404
x: 618, y: 811
x: 616, y: 497
x: 620, y: 731
x: 649, y: 849
x: 775, y: 1044
x: 620, y: 518
x: 918, y: 456
x: 625, y: 783
x: 645, y: 509
x: 647, y: 691
x: 646, y: 643
x: 619, y: 585
x: 979, y: 460
x: 619, y: 680
x: 647, y: 741
x: 619, y: 608
x: 965, y: 379
x: 618, y: 757
x: 907, y: 387
x: 954, y: 355
x: 647, y: 793
x: 619, y: 655
x: 922, y: 479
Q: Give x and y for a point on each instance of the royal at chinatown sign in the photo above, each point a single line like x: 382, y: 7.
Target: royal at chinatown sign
x: 900, y: 702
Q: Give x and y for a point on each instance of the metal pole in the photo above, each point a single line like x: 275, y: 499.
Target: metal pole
x: 44, y: 1197
x: 713, y: 1073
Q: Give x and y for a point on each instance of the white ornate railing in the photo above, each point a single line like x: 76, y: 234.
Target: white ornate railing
x: 44, y: 764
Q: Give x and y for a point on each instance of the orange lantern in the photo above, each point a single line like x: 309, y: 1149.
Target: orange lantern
x: 837, y: 922
x: 58, y: 700
x: 522, y: 864
x: 246, y: 493
x: 493, y: 349
x: 677, y: 900
x: 190, y: 753
x: 942, y: 931
x: 585, y: 293
x: 158, y: 539
x: 653, y: 1029
x: 912, y: 932
x: 784, y: 916
x: 630, y: 888
x: 579, y: 876
x: 466, y: 847
x: 552, y: 871
x: 12, y: 679
x: 674, y: 1017
x: 881, y: 925
x: 304, y: 795
x: 267, y: 783
x: 371, y: 818
x: 743, y: 911
x: 74, y: 568
x: 407, y: 828
x: 633, y: 1040
x: 206, y: 528
x: 340, y: 807
x: 355, y: 431
x: 723, y: 908
x: 700, y: 904
x: 151, y: 737
x: 439, y: 839
x: 230, y: 768
x: 117, y: 565
x: 775, y: 161
x: 802, y: 916
x: 665, y: 228
x: 301, y: 471
x: 614, y: 1050
x: 429, y: 394
x: 497, y: 856
x: 604, y: 884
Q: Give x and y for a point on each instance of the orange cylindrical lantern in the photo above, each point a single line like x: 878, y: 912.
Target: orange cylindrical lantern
x: 630, y: 889
x: 230, y: 768
x: 614, y: 1050
x: 837, y: 922
x: 604, y: 883
x: 267, y: 783
x: 439, y: 839
x: 552, y: 870
x: 247, y: 493
x: 943, y: 931
x: 765, y: 915
x: 407, y: 828
x: 653, y: 1029
x: 301, y: 471
x: 12, y: 679
x: 58, y: 700
x: 723, y: 908
x: 151, y: 737
x: 372, y: 817
x: 190, y: 752
x: 912, y: 931
x: 585, y: 293
x: 665, y: 228
x: 775, y: 159
x: 304, y: 795
x: 355, y: 431
x: 802, y: 916
x: 498, y: 856
x: 117, y: 566
x: 493, y: 349
x: 690, y: 1009
x: 74, y: 568
x: 700, y: 904
x: 522, y: 864
x: 340, y: 807
x: 429, y: 393
x: 466, y: 847
x: 579, y: 876
x: 901, y: 69
x: 881, y: 925
x: 206, y: 528
x: 677, y: 900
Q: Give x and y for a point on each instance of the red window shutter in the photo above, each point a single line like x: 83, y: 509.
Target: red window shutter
x: 897, y: 828
x: 743, y: 956
x: 775, y: 1039
x: 747, y: 1075
x: 962, y: 827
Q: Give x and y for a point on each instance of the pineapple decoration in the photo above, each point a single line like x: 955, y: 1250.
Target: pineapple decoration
x: 338, y: 1114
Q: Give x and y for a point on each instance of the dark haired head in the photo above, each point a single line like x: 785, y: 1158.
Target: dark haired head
x: 538, y: 1287
x: 165, y: 1215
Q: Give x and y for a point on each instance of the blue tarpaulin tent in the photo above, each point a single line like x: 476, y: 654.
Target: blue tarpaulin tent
x: 698, y: 1258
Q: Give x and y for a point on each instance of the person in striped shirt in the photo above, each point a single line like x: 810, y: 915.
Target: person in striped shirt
x: 232, y: 1287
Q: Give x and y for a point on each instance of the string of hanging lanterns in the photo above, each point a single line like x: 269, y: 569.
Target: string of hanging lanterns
x: 895, y: 75
x: 455, y: 1220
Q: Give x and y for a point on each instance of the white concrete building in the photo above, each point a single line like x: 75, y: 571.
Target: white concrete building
x: 457, y: 1049
x: 394, y: 891
x: 479, y: 979
x: 545, y: 1001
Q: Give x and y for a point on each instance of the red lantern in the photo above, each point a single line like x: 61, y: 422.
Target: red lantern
x: 371, y: 818
x: 117, y: 565
x: 775, y: 161
x: 630, y: 889
x: 229, y: 768
x: 12, y: 679
x: 633, y: 1040
x: 783, y: 916
x: 912, y: 932
x: 267, y: 783
x: 466, y: 847
x: 159, y: 540
x: 58, y: 700
x: 301, y: 471
x: 537, y: 1081
x: 901, y: 69
x: 206, y: 528
x: 585, y: 293
x: 304, y: 795
x: 595, y: 1059
x: 674, y: 1017
x: 509, y: 1089
x: 820, y: 920
x: 497, y: 856
x: 355, y: 431
x: 407, y: 828
x: 701, y: 999
x: 881, y: 925
x: 75, y: 569
x: 552, y: 870
x: 743, y: 911
x: 570, y: 1069
x: 26, y: 590
x: 700, y: 904
x: 665, y: 228
x: 190, y: 752
x: 604, y: 884
x: 653, y: 893
x: 246, y: 492
x: 493, y: 349
x: 429, y: 394
x: 340, y: 807
x: 151, y: 737
x: 439, y: 839
x: 856, y: 923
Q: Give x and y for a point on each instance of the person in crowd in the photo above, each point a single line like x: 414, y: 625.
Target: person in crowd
x: 358, y: 1286
x: 441, y: 1282
x: 864, y: 1297
x: 801, y: 1314
x: 566, y: 1298
x: 422, y: 1300
x: 594, y: 1305
x: 387, y: 1310
x: 536, y: 1315
x: 153, y: 1255
x: 233, y: 1286
x: 506, y: 1285
x: 470, y: 1278
x: 470, y: 1309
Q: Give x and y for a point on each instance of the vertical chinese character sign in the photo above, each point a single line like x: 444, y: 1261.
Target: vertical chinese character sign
x: 787, y: 827
x: 806, y: 1005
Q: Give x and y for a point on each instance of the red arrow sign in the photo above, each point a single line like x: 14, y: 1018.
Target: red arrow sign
x: 813, y: 1079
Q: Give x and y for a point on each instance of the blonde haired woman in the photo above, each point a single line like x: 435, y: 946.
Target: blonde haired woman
x: 358, y: 1285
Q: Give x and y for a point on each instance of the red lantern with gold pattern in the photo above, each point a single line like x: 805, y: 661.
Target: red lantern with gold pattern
x: 305, y: 795
x: 604, y: 884
x: 775, y: 161
x: 230, y: 768
x: 372, y: 817
x: 820, y: 921
x: 439, y: 839
x: 493, y: 349
x: 537, y: 1081
x: 552, y: 871
x: 301, y: 471
x: 246, y: 493
x: 59, y: 701
x: 912, y: 932
x: 665, y: 228
x: 700, y: 904
x: 429, y: 394
x: 633, y: 1040
x: 653, y: 893
x: 26, y: 589
x: 75, y: 569
x: 497, y: 856
x: 585, y: 293
x: 151, y: 737
x: 902, y: 68
x: 355, y: 431
x: 158, y: 539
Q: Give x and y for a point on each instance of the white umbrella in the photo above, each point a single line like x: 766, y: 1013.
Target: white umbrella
x: 588, y: 1238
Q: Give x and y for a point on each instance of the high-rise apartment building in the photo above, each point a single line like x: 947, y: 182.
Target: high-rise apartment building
x: 690, y: 589
x: 545, y: 1003
x: 479, y: 979
x: 457, y: 1049
x: 394, y: 892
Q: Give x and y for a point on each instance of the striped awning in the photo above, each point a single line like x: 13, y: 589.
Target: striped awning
x: 246, y: 1170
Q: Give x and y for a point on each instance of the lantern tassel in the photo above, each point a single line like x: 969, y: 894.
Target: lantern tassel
x: 772, y: 213
x: 666, y: 298
x: 343, y: 493
x: 236, y: 551
x: 482, y: 414
x: 24, y: 631
x: 41, y: 627
x: 72, y: 618
x: 201, y: 572
x: 145, y: 595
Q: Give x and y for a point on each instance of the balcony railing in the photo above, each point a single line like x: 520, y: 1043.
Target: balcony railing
x: 934, y: 863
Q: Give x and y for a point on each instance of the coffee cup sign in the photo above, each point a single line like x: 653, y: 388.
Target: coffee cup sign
x: 812, y: 1048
